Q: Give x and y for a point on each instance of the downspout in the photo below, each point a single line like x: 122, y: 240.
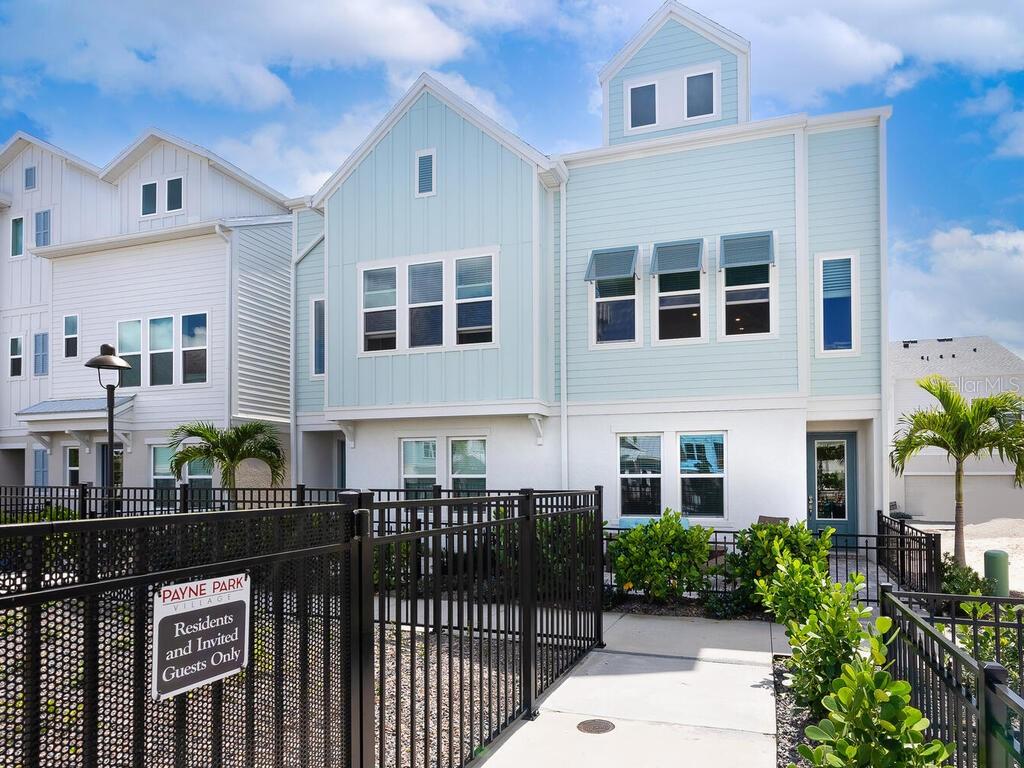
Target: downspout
x: 563, y: 378
x: 293, y: 308
x: 228, y: 319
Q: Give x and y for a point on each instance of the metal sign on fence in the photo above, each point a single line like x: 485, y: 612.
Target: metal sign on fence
x: 200, y: 633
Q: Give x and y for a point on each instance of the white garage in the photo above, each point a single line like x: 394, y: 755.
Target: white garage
x: 986, y: 497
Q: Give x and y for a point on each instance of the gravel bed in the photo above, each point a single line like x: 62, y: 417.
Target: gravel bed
x: 790, y: 720
x: 687, y: 608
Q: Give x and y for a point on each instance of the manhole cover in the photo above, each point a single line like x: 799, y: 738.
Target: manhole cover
x: 595, y: 726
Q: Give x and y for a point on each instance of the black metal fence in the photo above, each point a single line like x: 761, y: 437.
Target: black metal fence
x: 414, y: 647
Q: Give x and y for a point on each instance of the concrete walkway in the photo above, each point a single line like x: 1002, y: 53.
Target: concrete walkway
x: 679, y: 691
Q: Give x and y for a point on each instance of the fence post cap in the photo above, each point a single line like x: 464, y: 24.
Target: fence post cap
x: 994, y: 672
x: 885, y: 588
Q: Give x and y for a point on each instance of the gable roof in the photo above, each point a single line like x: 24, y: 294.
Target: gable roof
x: 427, y: 84
x: 20, y: 140
x: 688, y: 17
x: 153, y: 136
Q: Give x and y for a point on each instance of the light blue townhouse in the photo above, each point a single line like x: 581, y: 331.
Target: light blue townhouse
x: 691, y: 315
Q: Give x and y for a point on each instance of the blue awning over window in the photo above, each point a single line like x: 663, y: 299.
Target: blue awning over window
x: 746, y: 250
x: 680, y: 256
x: 835, y: 278
x: 612, y: 264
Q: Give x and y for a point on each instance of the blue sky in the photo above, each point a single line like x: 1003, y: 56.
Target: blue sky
x: 286, y: 91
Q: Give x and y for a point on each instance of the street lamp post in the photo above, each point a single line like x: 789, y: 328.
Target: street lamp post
x: 107, y: 360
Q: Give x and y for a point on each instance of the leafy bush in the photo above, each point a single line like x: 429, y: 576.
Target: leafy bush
x: 722, y: 605
x: 870, y: 721
x: 663, y: 558
x: 755, y: 556
x: 826, y: 641
x: 983, y: 643
x: 962, y: 579
x: 796, y: 587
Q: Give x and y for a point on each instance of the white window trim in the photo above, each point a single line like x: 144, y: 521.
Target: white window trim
x: 167, y: 181
x: 402, y: 306
x: 619, y: 476
x: 451, y: 472
x: 401, y: 459
x: 10, y: 236
x: 180, y: 352
x: 416, y: 173
x: 150, y: 351
x: 11, y: 357
x: 627, y: 100
x: 453, y: 339
x: 715, y: 70
x: 819, y: 303
x: 773, y: 299
x: 699, y: 519
x: 312, y: 335
x: 656, y: 309
x: 67, y: 463
x: 35, y: 178
x: 142, y: 347
x: 77, y: 336
x: 156, y: 198
x: 35, y: 229
x: 846, y: 477
x: 409, y: 306
x: 638, y: 315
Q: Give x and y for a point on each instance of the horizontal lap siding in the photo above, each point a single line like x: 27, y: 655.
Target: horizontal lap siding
x: 673, y: 47
x: 484, y: 197
x: 263, y: 317
x: 309, y: 282
x: 741, y: 187
x: 843, y: 214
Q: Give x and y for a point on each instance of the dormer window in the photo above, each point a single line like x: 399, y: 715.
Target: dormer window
x: 700, y: 95
x: 149, y: 198
x: 30, y: 177
x: 643, y: 106
x: 174, y: 194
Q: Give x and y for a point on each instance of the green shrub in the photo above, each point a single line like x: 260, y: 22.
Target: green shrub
x: 796, y: 587
x: 755, y: 556
x: 870, y: 721
x: 826, y: 641
x: 663, y: 558
x: 983, y: 643
x: 962, y: 579
x: 722, y: 605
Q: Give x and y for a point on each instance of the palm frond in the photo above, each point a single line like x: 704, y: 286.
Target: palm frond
x: 228, y: 448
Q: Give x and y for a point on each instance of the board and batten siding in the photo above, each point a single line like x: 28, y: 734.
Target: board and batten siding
x: 309, y: 282
x: 707, y: 192
x: 484, y: 198
x: 843, y: 214
x: 674, y: 46
x: 27, y: 389
x: 156, y: 280
x: 262, y: 322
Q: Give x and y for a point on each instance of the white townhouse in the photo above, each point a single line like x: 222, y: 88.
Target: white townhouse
x: 977, y: 366
x: 170, y: 253
x: 692, y: 314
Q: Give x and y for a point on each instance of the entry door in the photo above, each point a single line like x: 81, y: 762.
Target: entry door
x: 832, y: 481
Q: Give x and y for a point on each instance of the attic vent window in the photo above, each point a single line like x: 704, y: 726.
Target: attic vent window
x: 425, y: 178
x: 30, y: 177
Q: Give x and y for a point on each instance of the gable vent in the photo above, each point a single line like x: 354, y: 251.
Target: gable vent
x: 425, y: 173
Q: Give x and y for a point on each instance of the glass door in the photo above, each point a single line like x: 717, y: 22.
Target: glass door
x: 832, y: 481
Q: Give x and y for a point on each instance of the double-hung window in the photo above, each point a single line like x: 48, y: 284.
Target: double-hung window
x: 469, y: 465
x: 164, y: 481
x: 474, y: 305
x: 702, y: 474
x: 318, y: 328
x: 419, y: 465
x: 40, y: 467
x: 42, y: 228
x: 837, y: 305
x: 194, y: 341
x: 174, y: 198
x: 677, y: 271
x: 640, y: 475
x: 642, y: 105
x: 161, y: 351
x: 17, y: 237
x: 41, y: 354
x: 30, y: 177
x: 70, y: 336
x: 747, y: 261
x: 71, y: 466
x: 615, y: 314
x: 426, y: 304
x: 15, y: 357
x: 148, y: 201
x: 380, y: 299
x: 129, y: 348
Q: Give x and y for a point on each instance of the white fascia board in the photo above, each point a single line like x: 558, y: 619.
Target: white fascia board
x: 794, y: 401
x: 426, y: 83
x: 689, y: 18
x: 256, y: 221
x: 13, y: 147
x: 125, y: 241
x: 492, y: 408
x: 152, y: 136
x: 853, y: 119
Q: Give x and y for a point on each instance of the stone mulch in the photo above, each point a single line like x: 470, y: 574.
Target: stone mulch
x: 791, y: 719
x: 687, y: 608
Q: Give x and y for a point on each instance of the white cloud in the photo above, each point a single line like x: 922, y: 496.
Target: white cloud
x: 959, y: 282
x: 994, y: 101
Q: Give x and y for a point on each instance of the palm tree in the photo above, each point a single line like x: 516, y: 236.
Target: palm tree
x: 228, y: 448
x: 964, y: 430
